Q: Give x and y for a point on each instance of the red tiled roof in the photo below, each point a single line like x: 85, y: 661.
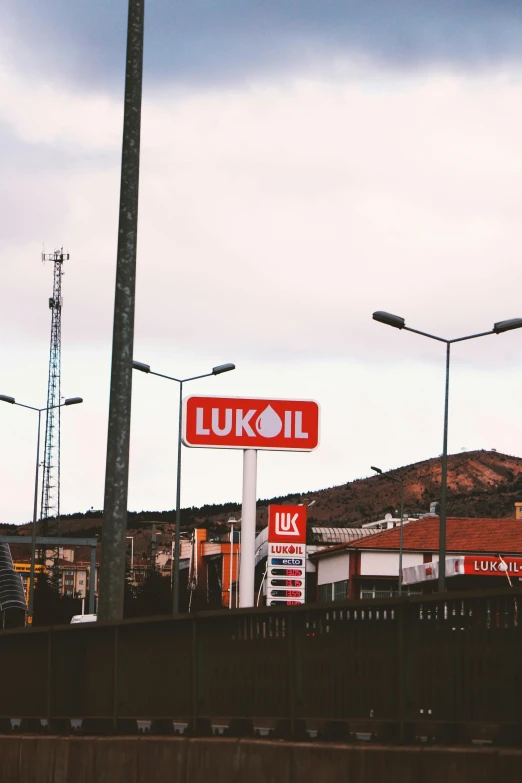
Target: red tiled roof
x: 463, y: 534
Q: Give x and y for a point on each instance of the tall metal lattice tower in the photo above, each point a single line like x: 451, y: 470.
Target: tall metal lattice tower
x: 50, y: 506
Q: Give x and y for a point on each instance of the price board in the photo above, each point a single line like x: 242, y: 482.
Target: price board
x: 286, y: 574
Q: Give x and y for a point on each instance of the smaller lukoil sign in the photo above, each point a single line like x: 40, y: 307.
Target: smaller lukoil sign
x: 286, y: 572
x: 287, y: 524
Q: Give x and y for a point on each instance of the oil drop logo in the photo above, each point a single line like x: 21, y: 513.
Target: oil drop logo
x: 268, y: 423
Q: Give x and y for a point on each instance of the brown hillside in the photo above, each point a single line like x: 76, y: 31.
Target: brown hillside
x: 480, y: 484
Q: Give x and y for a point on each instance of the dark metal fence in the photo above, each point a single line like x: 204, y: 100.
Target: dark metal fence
x: 395, y: 668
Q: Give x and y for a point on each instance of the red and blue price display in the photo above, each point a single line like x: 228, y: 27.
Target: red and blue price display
x: 290, y: 572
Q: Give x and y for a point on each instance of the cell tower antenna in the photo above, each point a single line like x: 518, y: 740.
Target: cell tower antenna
x: 50, y: 506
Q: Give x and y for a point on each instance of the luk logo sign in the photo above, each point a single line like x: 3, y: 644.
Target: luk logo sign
x: 287, y: 524
x: 245, y: 423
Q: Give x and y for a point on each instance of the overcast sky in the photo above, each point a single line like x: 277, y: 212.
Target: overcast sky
x: 304, y: 163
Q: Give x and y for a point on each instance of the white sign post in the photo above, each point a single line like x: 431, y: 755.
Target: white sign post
x: 248, y: 529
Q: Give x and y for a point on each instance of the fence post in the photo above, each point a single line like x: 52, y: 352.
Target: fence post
x: 115, y: 681
x: 195, y: 674
x: 401, y: 672
x: 49, y: 677
x: 291, y: 667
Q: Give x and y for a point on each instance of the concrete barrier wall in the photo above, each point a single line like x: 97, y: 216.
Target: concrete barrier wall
x: 34, y: 759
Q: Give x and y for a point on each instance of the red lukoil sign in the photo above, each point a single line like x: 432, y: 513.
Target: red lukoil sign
x: 490, y: 566
x: 250, y: 423
x: 287, y: 525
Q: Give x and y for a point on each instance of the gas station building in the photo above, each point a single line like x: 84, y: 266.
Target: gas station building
x: 481, y: 552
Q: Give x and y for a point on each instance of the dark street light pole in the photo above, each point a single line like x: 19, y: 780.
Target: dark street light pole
x: 401, y: 482
x: 399, y: 323
x: 215, y: 371
x: 12, y: 401
x: 112, y: 571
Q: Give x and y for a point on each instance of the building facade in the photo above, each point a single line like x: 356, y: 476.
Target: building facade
x: 369, y: 568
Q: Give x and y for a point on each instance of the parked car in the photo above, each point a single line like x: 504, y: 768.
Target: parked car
x: 84, y: 618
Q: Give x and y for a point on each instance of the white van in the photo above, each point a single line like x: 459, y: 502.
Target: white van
x: 84, y: 618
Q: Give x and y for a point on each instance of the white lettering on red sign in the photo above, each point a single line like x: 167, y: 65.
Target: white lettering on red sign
x: 492, y: 566
x: 286, y: 549
x: 285, y: 523
x: 267, y: 424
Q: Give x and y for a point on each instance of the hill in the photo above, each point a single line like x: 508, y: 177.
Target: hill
x: 480, y: 483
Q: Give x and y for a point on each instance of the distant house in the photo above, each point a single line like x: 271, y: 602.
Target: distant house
x: 369, y: 568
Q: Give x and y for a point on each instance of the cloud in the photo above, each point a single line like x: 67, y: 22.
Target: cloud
x: 275, y: 219
x: 276, y: 214
x: 206, y: 42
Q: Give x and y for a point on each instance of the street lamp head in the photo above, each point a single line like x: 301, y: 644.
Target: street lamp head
x: 5, y: 398
x: 223, y: 368
x: 505, y: 326
x: 377, y: 470
x: 73, y: 400
x: 389, y: 319
x: 141, y: 367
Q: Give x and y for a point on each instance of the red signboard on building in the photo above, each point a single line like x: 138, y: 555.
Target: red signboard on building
x: 251, y: 423
x: 489, y: 565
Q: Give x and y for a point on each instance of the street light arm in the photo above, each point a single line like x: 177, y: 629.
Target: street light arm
x: 399, y: 481
x: 387, y: 475
x: 31, y: 407
x: 467, y: 337
x: 426, y: 334
x: 69, y: 401
x: 168, y: 377
x: 472, y: 336
x: 178, y: 380
x: 220, y: 368
x: 197, y: 377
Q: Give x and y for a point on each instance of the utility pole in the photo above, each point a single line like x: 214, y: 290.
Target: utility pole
x: 112, y: 573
